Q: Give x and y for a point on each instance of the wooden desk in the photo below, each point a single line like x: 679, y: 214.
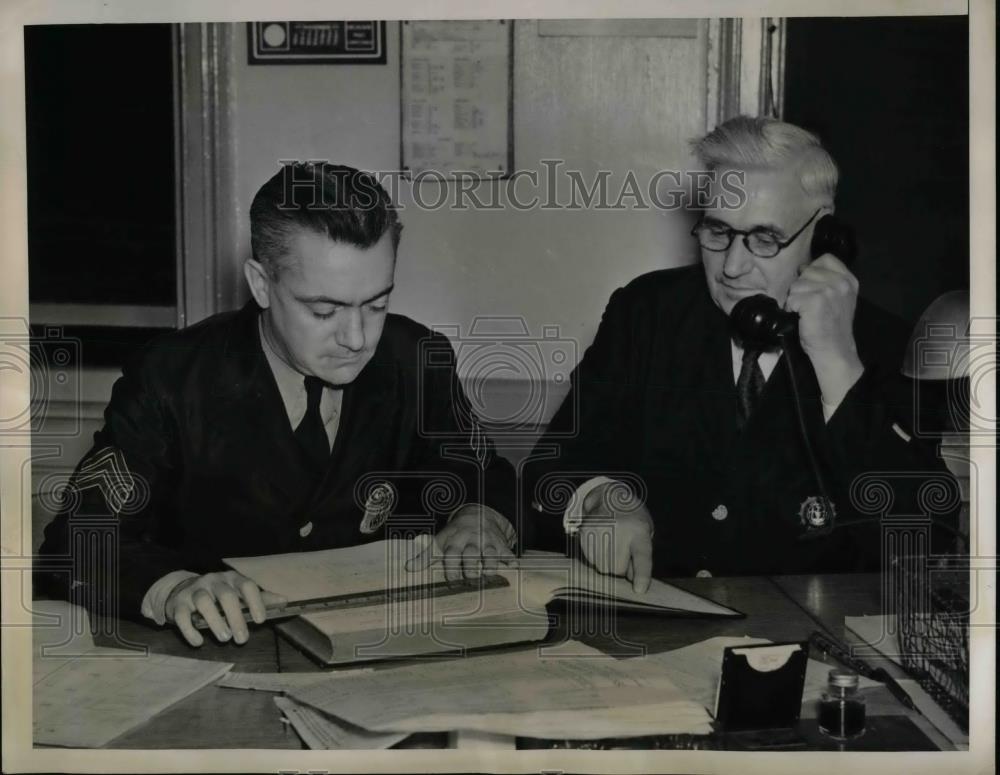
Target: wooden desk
x: 787, y: 608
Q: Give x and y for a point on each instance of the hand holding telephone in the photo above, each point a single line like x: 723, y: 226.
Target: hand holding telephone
x: 761, y: 324
x: 758, y: 320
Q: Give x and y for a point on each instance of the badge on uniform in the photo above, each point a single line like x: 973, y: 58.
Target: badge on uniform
x: 378, y: 506
x: 817, y: 514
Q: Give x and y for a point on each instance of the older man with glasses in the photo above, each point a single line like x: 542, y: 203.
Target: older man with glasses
x: 687, y: 448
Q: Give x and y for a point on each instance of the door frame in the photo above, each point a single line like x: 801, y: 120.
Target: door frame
x: 204, y: 94
x: 746, y: 68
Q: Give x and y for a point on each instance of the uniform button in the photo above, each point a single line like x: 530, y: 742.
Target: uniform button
x: 306, y: 529
x: 720, y: 512
x: 703, y: 574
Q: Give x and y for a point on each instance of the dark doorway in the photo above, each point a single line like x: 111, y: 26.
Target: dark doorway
x: 890, y: 99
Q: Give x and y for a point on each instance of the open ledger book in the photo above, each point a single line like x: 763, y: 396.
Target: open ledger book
x: 382, y: 623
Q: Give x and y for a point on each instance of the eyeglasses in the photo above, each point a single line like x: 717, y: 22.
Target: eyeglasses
x: 716, y: 236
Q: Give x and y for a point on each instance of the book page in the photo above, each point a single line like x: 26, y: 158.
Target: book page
x: 355, y: 569
x: 569, y: 579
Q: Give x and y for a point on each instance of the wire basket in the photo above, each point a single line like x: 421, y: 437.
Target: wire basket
x: 932, y: 620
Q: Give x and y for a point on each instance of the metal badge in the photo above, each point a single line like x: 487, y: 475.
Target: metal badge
x: 817, y: 514
x: 378, y: 506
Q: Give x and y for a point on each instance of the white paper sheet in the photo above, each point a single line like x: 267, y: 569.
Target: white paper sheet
x: 86, y: 695
x: 522, y: 693
x: 365, y: 568
x: 88, y: 701
x: 583, y: 724
x: 454, y: 94
x: 280, y: 682
x: 934, y: 713
x: 321, y: 732
x: 874, y: 635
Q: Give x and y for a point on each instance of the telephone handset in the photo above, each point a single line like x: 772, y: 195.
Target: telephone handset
x: 758, y: 320
x: 761, y: 324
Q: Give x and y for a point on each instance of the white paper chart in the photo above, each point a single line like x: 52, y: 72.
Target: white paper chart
x: 456, y: 97
x: 89, y: 700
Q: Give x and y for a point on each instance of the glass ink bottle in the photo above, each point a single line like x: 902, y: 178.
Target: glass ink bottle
x: 842, y: 709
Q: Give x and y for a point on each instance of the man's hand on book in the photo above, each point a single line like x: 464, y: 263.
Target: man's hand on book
x: 616, y: 534
x: 219, y: 598
x: 474, y: 543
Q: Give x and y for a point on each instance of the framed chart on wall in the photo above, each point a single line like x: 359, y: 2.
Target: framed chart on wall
x: 456, y: 98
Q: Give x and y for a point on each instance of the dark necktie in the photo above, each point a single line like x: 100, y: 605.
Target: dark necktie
x: 748, y: 386
x: 311, y: 433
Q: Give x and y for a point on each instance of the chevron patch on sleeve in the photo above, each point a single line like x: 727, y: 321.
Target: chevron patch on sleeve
x: 108, y: 471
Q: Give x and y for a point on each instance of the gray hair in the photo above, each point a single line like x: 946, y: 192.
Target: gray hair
x: 746, y: 142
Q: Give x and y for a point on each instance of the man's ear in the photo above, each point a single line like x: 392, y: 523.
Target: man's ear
x: 259, y: 281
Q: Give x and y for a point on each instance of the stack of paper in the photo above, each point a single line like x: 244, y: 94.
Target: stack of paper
x: 280, y: 682
x: 575, y: 692
x: 320, y: 732
x: 86, y: 695
x: 568, y: 691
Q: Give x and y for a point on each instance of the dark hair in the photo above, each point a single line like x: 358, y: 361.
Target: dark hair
x: 343, y: 203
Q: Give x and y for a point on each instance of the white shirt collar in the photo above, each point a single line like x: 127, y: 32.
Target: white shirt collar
x: 767, y: 361
x: 291, y: 385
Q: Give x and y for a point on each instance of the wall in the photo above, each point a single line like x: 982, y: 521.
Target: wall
x: 606, y: 102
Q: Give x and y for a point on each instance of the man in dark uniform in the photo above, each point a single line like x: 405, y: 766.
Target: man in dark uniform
x: 306, y: 420
x: 681, y: 444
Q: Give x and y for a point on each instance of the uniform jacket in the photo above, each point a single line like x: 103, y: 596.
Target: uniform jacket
x: 197, y: 460
x: 653, y: 403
